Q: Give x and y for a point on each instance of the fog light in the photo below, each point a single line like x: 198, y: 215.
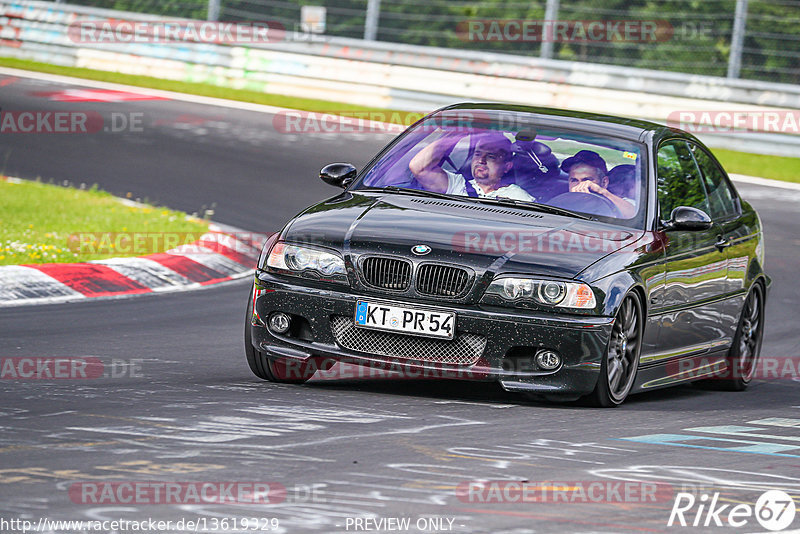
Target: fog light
x: 548, y: 360
x: 279, y: 322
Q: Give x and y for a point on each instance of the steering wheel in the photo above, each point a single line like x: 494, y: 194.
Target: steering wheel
x: 586, y: 203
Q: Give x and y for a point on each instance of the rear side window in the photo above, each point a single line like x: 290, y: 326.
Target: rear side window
x: 721, y: 198
x: 679, y: 179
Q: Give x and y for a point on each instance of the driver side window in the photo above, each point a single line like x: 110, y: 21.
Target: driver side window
x: 679, y: 182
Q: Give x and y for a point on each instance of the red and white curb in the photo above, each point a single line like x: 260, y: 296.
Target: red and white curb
x: 223, y: 253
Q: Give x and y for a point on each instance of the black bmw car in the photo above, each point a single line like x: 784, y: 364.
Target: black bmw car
x: 562, y: 254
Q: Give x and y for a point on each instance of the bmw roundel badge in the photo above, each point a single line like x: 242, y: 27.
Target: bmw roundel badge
x: 420, y: 250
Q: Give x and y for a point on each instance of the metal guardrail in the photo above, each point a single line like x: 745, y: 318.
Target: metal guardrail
x: 749, y: 39
x: 555, y: 71
x: 397, y: 76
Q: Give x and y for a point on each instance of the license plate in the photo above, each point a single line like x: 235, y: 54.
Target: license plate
x: 382, y: 316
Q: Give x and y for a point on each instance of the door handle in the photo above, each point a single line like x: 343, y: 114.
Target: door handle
x: 722, y: 243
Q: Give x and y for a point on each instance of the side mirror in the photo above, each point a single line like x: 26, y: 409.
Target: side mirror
x: 687, y: 218
x: 338, y: 174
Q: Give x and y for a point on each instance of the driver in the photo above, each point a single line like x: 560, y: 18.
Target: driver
x: 588, y: 174
x: 490, y: 162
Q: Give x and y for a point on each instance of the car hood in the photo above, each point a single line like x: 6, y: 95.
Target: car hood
x: 486, y: 238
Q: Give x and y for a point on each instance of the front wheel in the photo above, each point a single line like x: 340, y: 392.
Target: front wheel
x: 282, y: 371
x: 621, y: 360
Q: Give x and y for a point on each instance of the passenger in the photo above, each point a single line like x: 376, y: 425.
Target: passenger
x: 490, y: 162
x: 622, y: 182
x: 588, y: 174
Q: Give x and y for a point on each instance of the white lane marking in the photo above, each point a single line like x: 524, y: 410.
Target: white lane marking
x: 777, y: 421
x: 323, y: 415
x: 217, y: 430
x: 354, y: 438
x: 566, y: 446
x: 484, y: 404
x: 69, y: 80
x: 280, y: 420
x: 747, y: 432
x: 183, y: 97
x: 764, y: 181
x: 774, y: 194
x: 699, y: 475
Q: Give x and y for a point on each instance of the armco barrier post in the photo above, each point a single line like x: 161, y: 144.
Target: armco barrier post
x: 550, y: 15
x: 213, y: 9
x: 371, y: 22
x: 737, y: 39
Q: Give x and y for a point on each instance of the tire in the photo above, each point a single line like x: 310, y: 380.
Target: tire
x: 273, y: 371
x: 621, y: 359
x: 746, y: 349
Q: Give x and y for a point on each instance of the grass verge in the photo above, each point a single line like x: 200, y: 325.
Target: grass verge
x: 45, y: 223
x: 773, y: 167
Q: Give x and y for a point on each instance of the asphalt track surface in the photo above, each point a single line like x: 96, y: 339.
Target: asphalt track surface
x: 178, y: 402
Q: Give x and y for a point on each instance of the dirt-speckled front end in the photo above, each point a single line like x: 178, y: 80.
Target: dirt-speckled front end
x: 504, y: 342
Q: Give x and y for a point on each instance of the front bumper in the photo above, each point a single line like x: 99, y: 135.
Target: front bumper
x: 513, y: 336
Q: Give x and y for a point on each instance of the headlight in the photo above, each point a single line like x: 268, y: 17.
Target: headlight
x: 552, y: 292
x: 299, y: 259
x: 547, y: 292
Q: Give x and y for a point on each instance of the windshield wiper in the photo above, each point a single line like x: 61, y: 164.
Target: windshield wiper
x: 489, y: 200
x: 421, y: 192
x: 534, y: 206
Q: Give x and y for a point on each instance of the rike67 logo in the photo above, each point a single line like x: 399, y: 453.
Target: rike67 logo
x: 774, y: 510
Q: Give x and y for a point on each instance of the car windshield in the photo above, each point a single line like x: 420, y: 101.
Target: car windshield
x: 503, y: 156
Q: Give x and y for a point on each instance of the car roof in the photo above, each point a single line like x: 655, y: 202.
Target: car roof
x: 632, y: 129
